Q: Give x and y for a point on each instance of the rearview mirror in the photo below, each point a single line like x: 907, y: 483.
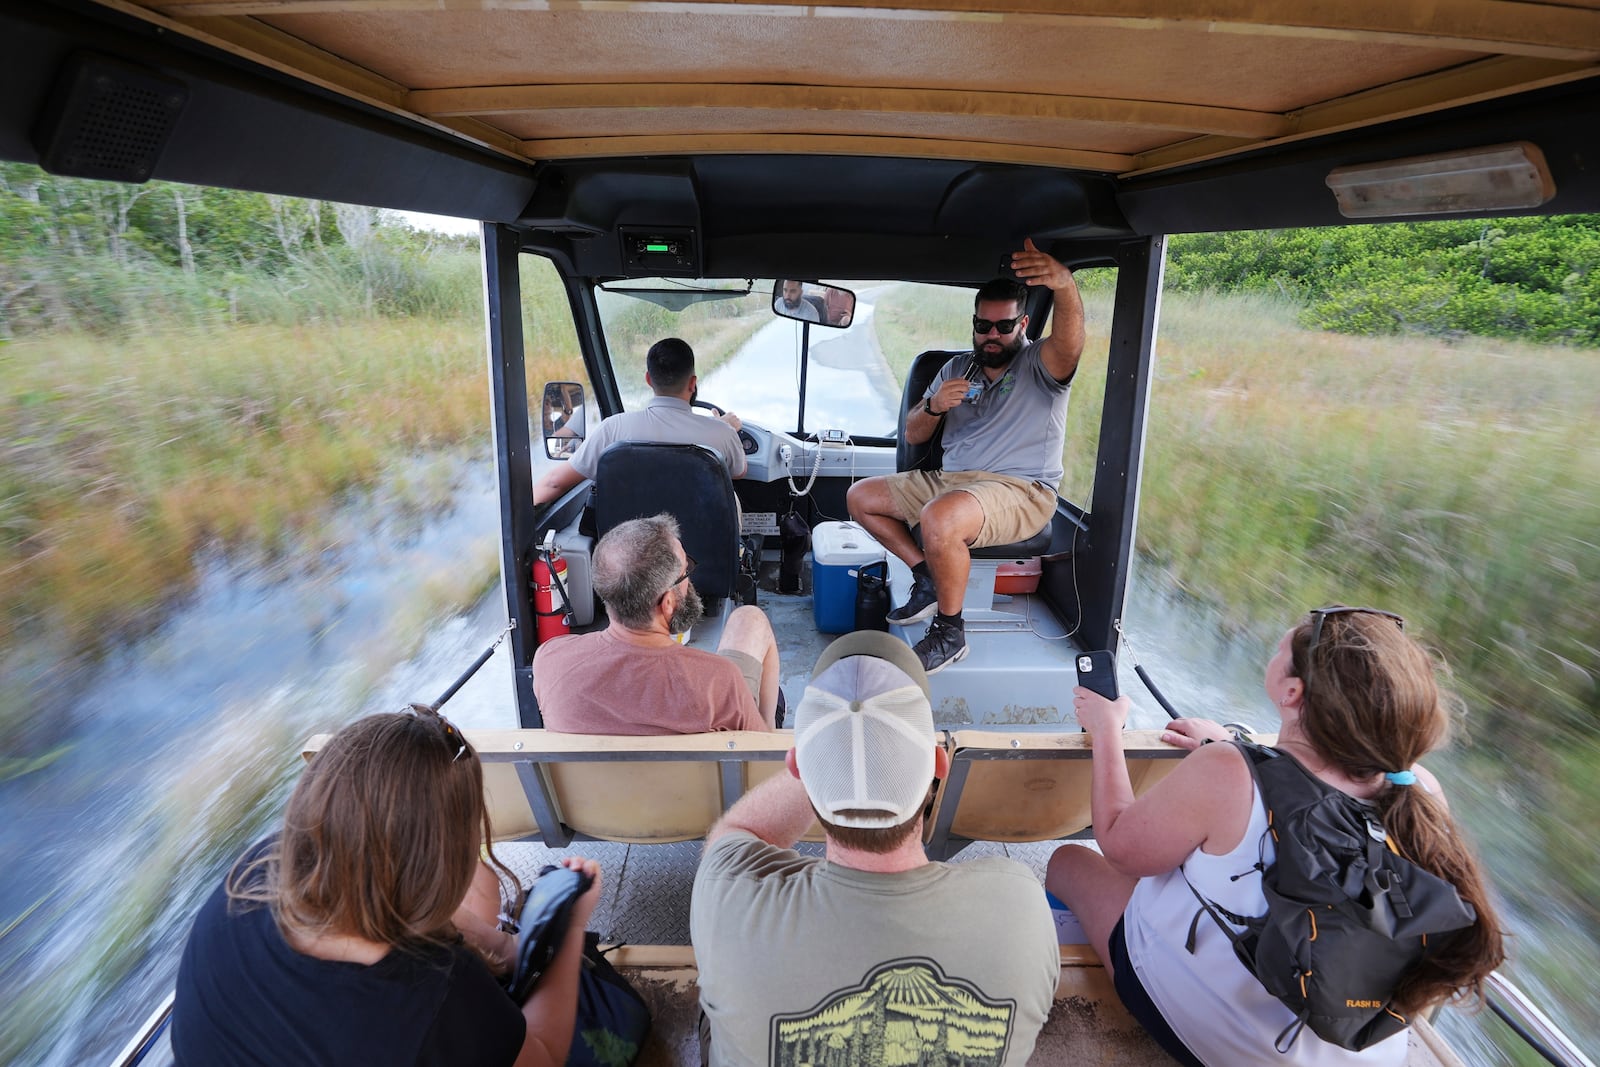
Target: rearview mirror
x: 562, y: 419
x: 825, y: 305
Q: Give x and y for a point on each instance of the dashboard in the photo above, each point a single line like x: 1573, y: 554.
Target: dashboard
x: 774, y: 455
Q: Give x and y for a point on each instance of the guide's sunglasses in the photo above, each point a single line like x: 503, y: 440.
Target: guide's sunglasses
x: 1005, y: 326
x: 1320, y: 615
x: 452, y: 736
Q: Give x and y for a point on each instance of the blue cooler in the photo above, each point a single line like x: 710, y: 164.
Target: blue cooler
x: 837, y: 549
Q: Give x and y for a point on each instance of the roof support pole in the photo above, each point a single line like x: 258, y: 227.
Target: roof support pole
x: 1103, y: 568
x: 508, y: 402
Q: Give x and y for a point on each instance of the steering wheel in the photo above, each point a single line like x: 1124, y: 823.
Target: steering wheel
x: 709, y: 406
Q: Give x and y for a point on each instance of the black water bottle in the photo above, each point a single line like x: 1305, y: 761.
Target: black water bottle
x: 872, y: 596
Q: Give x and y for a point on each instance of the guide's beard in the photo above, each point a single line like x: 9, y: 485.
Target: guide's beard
x: 688, y: 611
x: 994, y: 354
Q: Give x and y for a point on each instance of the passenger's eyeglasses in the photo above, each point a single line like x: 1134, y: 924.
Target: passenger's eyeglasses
x: 452, y: 736
x: 688, y: 569
x: 1320, y: 616
x: 983, y: 326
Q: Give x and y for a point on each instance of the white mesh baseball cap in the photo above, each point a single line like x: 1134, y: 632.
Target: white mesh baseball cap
x: 864, y: 734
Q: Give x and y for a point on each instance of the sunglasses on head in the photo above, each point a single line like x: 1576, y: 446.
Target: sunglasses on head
x: 1320, y: 615
x: 452, y: 736
x: 983, y: 326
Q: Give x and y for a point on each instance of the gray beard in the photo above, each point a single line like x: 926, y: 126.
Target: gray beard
x: 687, y: 613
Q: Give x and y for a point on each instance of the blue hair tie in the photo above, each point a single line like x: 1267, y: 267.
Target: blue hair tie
x: 1400, y: 777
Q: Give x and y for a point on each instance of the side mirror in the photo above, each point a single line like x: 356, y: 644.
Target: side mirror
x: 825, y: 305
x: 562, y: 419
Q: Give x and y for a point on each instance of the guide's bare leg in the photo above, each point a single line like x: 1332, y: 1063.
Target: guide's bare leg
x: 872, y: 505
x: 950, y: 523
x: 749, y: 631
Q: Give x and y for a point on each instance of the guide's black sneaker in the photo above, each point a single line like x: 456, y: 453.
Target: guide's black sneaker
x: 922, y: 602
x: 941, y: 646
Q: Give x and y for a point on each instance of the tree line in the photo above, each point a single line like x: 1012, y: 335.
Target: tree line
x: 1536, y: 279
x: 105, y: 258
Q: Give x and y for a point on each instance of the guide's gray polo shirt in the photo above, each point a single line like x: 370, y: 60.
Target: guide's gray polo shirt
x: 1017, y: 426
x: 663, y: 420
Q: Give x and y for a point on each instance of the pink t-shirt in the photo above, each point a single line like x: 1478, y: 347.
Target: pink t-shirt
x: 597, y: 684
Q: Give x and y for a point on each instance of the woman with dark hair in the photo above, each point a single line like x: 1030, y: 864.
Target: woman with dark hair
x: 366, y: 930
x: 1360, y: 705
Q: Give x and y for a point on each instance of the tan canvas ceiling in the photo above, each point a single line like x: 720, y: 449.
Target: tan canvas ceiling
x: 1121, y: 86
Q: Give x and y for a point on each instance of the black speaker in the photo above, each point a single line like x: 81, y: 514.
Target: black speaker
x: 108, y: 119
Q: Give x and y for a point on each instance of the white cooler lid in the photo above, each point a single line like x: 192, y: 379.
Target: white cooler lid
x: 843, y: 544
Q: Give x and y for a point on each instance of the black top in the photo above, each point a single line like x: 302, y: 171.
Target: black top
x: 244, y: 996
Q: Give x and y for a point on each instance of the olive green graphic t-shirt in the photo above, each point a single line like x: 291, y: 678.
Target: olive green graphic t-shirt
x: 806, y: 962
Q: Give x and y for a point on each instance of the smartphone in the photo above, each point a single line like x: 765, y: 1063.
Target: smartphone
x: 1097, y: 671
x: 974, y: 391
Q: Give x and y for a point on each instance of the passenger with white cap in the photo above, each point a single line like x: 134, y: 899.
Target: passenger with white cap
x: 873, y: 954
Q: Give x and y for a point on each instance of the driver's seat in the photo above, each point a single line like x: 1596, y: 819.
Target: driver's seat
x: 634, y: 481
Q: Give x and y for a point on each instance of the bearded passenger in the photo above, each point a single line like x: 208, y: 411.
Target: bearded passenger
x: 636, y: 676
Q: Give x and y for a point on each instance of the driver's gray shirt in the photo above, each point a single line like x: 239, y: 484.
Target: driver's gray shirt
x: 1017, y: 426
x: 663, y: 420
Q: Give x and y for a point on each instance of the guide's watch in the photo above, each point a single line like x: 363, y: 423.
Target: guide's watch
x: 927, y: 406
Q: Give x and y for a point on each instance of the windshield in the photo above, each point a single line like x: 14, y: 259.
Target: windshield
x: 748, y: 359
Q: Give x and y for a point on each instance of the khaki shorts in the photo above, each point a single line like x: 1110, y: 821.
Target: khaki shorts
x: 1013, y: 509
x: 748, y: 666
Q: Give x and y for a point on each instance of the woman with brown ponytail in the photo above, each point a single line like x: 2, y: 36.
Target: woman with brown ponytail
x: 365, y: 932
x: 1360, y: 705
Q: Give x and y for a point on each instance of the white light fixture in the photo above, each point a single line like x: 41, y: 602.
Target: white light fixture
x: 1494, y: 178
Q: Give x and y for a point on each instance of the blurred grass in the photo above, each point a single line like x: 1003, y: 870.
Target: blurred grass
x: 122, y: 459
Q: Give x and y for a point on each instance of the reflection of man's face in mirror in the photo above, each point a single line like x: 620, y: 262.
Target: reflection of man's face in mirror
x: 838, y: 307
x: 791, y: 296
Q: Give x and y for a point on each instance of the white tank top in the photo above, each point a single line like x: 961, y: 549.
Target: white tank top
x: 1211, y: 1002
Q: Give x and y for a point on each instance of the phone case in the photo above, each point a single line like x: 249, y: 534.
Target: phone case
x: 1097, y: 671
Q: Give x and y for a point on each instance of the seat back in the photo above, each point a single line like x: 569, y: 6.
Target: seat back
x: 930, y: 454
x: 1032, y: 786
x: 690, y: 483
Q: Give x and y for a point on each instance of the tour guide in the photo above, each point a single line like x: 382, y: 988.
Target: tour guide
x: 1005, y: 407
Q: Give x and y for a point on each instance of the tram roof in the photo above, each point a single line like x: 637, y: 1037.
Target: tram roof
x: 795, y: 133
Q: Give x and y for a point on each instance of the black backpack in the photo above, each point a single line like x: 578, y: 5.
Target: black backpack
x: 1347, y: 915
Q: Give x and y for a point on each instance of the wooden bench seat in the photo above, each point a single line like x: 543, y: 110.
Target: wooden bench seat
x: 1027, y: 786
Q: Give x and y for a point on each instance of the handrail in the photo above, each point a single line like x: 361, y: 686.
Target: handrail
x: 139, y: 1046
x: 1535, y: 1027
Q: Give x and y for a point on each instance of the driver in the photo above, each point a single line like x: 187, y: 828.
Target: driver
x: 667, y: 418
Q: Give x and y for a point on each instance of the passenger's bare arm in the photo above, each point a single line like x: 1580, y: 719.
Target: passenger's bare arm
x: 1064, y: 343
x: 552, y: 1009
x: 777, y: 811
x: 1205, y: 796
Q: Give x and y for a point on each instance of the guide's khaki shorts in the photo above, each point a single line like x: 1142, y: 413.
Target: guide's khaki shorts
x: 1013, y: 508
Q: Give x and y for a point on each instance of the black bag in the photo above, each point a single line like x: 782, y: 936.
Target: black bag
x: 872, y: 596
x: 795, y: 536
x: 1347, y: 916
x: 613, y: 1018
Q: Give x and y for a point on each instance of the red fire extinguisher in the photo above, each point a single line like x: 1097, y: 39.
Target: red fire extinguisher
x: 550, y: 594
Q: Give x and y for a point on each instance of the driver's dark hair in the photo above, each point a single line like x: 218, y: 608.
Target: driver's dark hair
x: 1003, y: 289
x: 670, y: 364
